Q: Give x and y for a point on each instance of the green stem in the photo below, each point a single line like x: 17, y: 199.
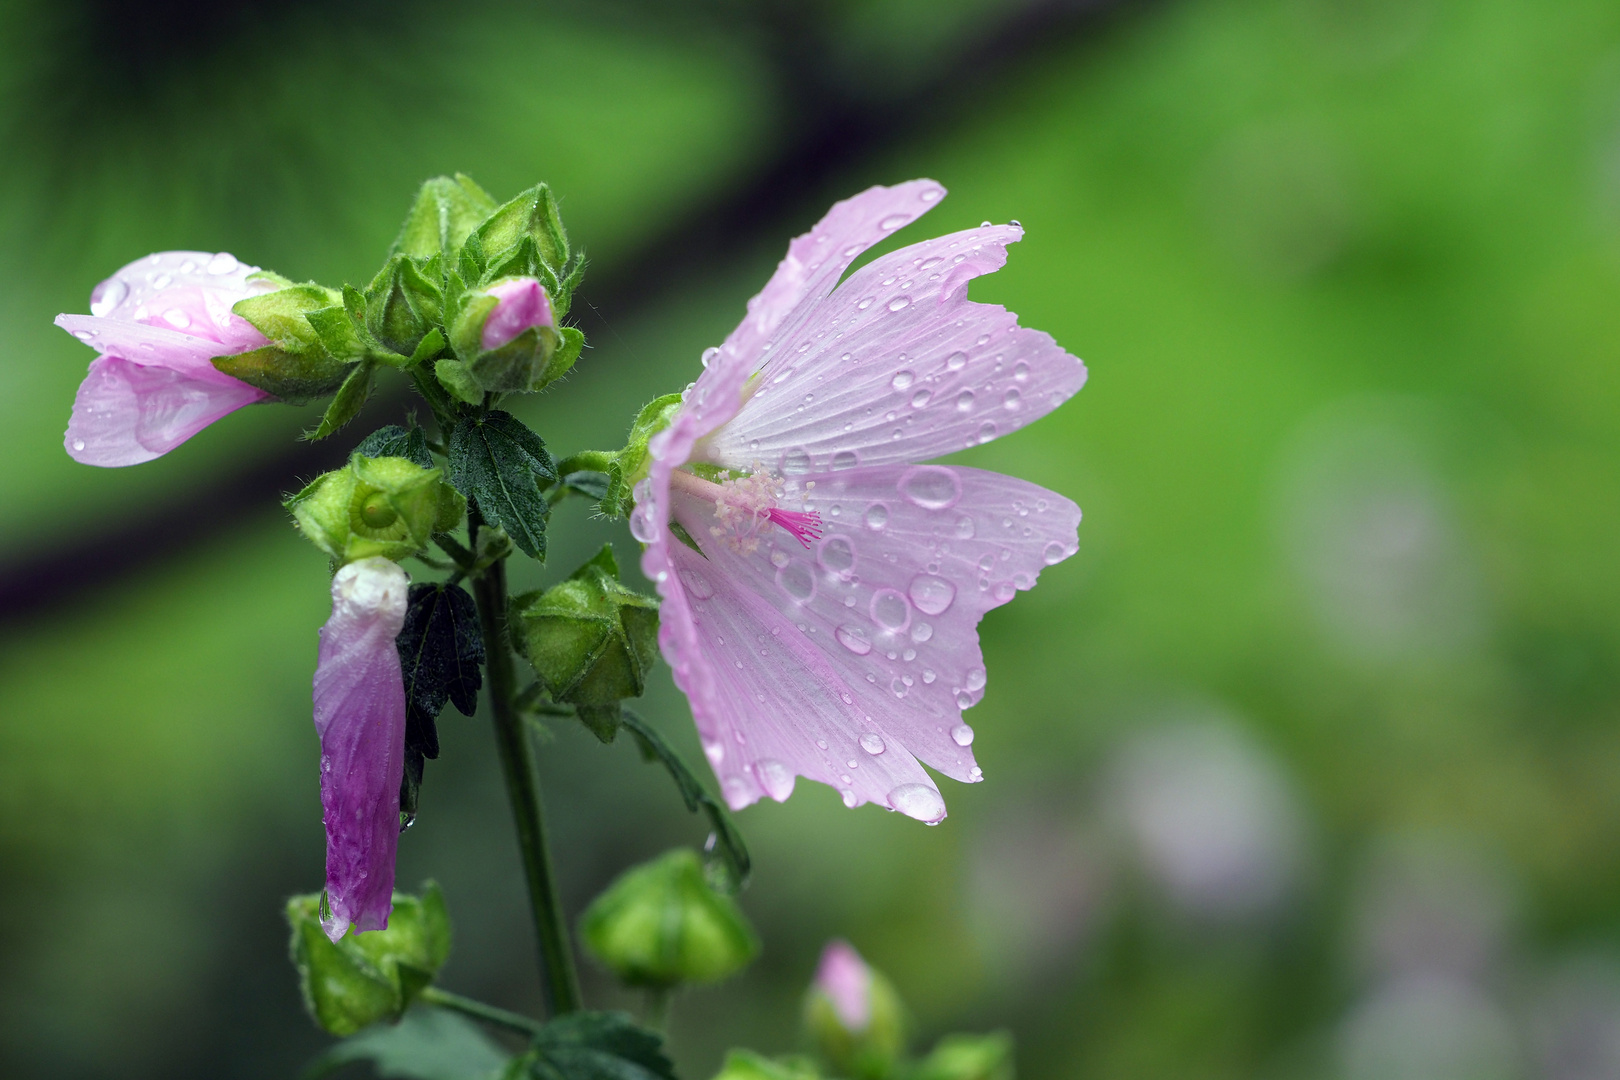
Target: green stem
x: 657, y: 1015
x: 587, y: 461
x: 512, y: 1021
x: 558, y: 979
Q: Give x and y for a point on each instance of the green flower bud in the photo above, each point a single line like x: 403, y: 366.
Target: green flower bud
x: 532, y: 217
x: 591, y: 640
x: 364, y: 978
x: 747, y: 1065
x: 445, y: 213
x: 388, y: 506
x: 402, y: 305
x: 296, y: 365
x: 968, y: 1057
x: 631, y: 463
x: 660, y: 924
x: 506, y: 339
x: 854, y: 1016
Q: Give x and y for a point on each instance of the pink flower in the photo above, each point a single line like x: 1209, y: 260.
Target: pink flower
x: 828, y: 628
x: 360, y: 718
x: 522, y: 303
x: 846, y: 980
x: 158, y: 323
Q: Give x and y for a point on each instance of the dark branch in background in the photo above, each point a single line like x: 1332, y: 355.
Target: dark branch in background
x: 831, y: 117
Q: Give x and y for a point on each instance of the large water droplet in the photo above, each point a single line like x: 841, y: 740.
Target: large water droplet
x: 956, y: 361
x: 108, y: 295
x: 739, y: 792
x: 797, y: 581
x: 710, y: 355
x: 918, y: 801
x: 845, y: 459
x: 1055, y: 552
x: 964, y: 401
x: 932, y: 487
x: 921, y: 632
x: 877, y: 516
x: 890, y: 610
x: 921, y: 398
x: 868, y: 302
x: 964, y: 700
x: 1021, y: 371
x: 893, y: 221
x: 931, y: 594
x: 872, y: 743
x: 902, y: 379
x: 796, y: 462
x: 1012, y: 401
x: 900, y: 303
x: 836, y: 555
x: 987, y: 431
x: 223, y: 263
x: 78, y: 445
x: 930, y: 195
x: 177, y: 318
x: 975, y: 678
x: 775, y: 778
x: 854, y: 639
x: 851, y: 800
x: 162, y: 281
x: 641, y: 526
x: 696, y: 584
x: 962, y: 735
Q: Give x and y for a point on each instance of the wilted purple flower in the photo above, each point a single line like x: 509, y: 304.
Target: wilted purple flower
x: 157, y: 324
x: 360, y: 718
x: 827, y: 629
x: 522, y: 303
x: 846, y: 980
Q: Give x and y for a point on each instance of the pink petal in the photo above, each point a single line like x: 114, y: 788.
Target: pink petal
x: 846, y: 980
x: 360, y: 718
x: 898, y: 365
x: 522, y: 303
x: 143, y: 282
x: 911, y: 559
x: 125, y: 413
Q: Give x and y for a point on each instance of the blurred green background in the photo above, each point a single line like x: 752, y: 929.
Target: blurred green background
x: 1307, y: 766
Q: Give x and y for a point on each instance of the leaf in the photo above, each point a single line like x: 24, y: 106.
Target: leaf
x: 428, y: 1044
x: 351, y: 398
x: 441, y: 649
x: 498, y: 462
x: 395, y: 441
x: 592, y: 485
x: 728, y: 842
x: 598, y: 1046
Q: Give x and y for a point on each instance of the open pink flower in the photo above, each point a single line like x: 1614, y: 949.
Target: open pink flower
x: 157, y: 324
x: 827, y: 629
x: 360, y: 718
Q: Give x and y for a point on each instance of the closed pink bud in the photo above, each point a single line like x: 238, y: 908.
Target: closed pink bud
x: 522, y: 303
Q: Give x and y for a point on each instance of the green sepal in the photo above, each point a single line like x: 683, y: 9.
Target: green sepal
x: 530, y: 361
x: 532, y: 215
x: 293, y: 377
x: 500, y: 463
x: 281, y: 315
x: 402, y: 305
x: 458, y: 381
x: 338, y: 332
x: 363, y: 978
x: 346, y: 404
x: 431, y: 345
x: 967, y: 1057
x: 747, y: 1065
x: 660, y: 924
x: 388, y: 506
x: 591, y: 640
x: 631, y: 463
x: 446, y: 211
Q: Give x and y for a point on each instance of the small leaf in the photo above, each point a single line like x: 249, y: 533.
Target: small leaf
x: 728, y: 842
x: 598, y: 1046
x: 498, y: 462
x: 395, y: 441
x: 441, y: 650
x: 428, y: 1044
x: 351, y: 398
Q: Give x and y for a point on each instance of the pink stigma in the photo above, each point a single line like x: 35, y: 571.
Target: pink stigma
x: 805, y: 526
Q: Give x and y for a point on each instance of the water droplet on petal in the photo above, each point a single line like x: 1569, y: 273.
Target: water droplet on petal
x: 1005, y: 591
x: 921, y: 398
x: 964, y: 700
x: 956, y: 361
x: 78, y: 444
x: 775, y: 778
x: 929, y: 676
x: 1054, y: 552
x: 796, y: 461
x: 868, y: 302
x: 961, y: 735
x: 836, y: 555
x: 1021, y: 371
x: 893, y: 221
x: 964, y: 401
x: 921, y: 632
x: 900, y: 303
x: 931, y: 195
x: 696, y: 584
x: 851, y: 800
x: 108, y: 295
x: 738, y: 791
x: 902, y: 379
x: 877, y: 516
x: 890, y: 610
x: 987, y: 431
x: 845, y: 459
x: 931, y: 594
x: 641, y: 525
x: 177, y: 318
x: 1012, y: 401
x: 854, y: 639
x: 223, y: 263
x: 918, y: 801
x: 932, y: 487
x: 975, y: 678
x: 797, y: 581
x: 872, y: 743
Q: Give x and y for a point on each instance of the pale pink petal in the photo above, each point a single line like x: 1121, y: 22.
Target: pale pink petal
x: 134, y: 291
x: 898, y: 365
x: 359, y: 696
x: 125, y: 413
x: 846, y: 980
x: 521, y: 303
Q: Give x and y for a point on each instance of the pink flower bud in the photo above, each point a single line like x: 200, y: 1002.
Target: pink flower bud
x: 846, y: 980
x: 522, y: 303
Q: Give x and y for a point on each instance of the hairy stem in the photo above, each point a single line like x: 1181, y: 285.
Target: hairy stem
x: 558, y: 979
x: 512, y: 1021
x: 587, y: 461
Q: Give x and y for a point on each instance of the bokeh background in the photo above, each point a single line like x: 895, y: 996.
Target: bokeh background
x: 1307, y: 766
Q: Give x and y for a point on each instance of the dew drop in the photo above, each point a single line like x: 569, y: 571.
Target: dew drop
x: 921, y: 632
x: 962, y: 735
x: 696, y: 584
x: 854, y: 639
x: 929, y: 676
x: 822, y: 743
x: 975, y: 678
x: 931, y: 195
x: 78, y: 444
x: 964, y: 401
x: 641, y: 526
x: 775, y: 778
x: 931, y: 594
x: 836, y: 555
x: 893, y: 221
x: 738, y: 791
x: 900, y: 303
x: 223, y: 263
x: 845, y: 459
x: 797, y: 581
x: 851, y: 800
x: 1054, y: 552
x: 1012, y: 401
x: 902, y: 379
x: 877, y: 516
x: 987, y: 431
x: 964, y: 700
x: 956, y: 361
x: 890, y: 610
x: 868, y: 302
x: 108, y: 295
x: 162, y: 281
x: 1005, y: 591
x: 921, y: 398
x: 1021, y: 371
x: 918, y: 801
x: 932, y: 487
x: 83, y: 335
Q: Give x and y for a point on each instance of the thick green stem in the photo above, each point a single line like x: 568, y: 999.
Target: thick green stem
x: 558, y: 979
x: 512, y: 1021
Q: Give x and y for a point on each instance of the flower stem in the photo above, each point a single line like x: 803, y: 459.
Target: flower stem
x: 558, y: 979
x: 512, y: 1021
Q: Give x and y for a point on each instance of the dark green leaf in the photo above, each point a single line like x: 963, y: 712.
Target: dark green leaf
x: 428, y: 1044
x: 728, y: 842
x: 598, y: 1046
x: 395, y: 441
x: 593, y: 485
x: 441, y: 649
x: 500, y: 464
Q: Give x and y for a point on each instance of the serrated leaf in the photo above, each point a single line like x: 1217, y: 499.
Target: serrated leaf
x: 427, y: 1044
x: 349, y: 400
x: 598, y: 1046
x: 395, y: 441
x: 441, y: 650
x: 498, y: 462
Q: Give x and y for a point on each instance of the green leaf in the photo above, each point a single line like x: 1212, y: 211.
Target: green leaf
x: 441, y: 652
x: 427, y: 1044
x: 294, y: 377
x: 395, y: 441
x: 498, y: 462
x: 350, y: 399
x: 728, y: 842
x: 631, y: 463
x: 967, y: 1057
x: 597, y: 1046
x: 281, y: 315
x: 338, y: 332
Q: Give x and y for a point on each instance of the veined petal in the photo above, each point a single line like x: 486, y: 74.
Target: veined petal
x: 898, y: 365
x: 133, y: 291
x: 360, y: 718
x: 125, y: 413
